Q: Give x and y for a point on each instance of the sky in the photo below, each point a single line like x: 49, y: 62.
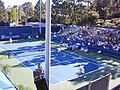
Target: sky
x: 19, y: 2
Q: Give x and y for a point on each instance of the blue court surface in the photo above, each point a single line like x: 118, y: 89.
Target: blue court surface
x: 5, y: 83
x: 64, y: 64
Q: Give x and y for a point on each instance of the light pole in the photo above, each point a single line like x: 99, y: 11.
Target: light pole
x: 48, y: 42
x: 61, y: 12
x: 40, y: 16
x: 26, y: 13
x: 10, y: 10
x: 17, y: 14
x: 16, y: 7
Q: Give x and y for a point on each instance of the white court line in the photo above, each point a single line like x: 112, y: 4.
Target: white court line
x: 77, y: 77
x: 59, y: 82
x: 17, y: 56
x: 56, y: 77
x: 62, y: 62
x: 30, y: 62
x: 19, y: 60
x: 80, y: 58
x: 83, y: 58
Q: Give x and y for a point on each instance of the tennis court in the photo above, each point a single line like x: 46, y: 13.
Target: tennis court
x: 64, y: 64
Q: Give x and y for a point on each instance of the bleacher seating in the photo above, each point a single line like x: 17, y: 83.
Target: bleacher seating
x: 91, y: 45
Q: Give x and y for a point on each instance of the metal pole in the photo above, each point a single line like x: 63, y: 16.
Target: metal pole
x: 17, y: 14
x: 89, y: 85
x: 40, y: 16
x: 10, y: 15
x: 48, y: 42
x: 26, y: 12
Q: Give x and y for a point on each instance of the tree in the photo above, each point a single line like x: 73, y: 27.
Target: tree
x: 9, y: 14
x: 2, y: 12
x: 92, y: 17
x: 37, y: 11
x: 72, y: 8
x: 28, y: 9
x: 21, y: 14
x: 103, y: 8
x: 13, y: 14
x: 5, y: 68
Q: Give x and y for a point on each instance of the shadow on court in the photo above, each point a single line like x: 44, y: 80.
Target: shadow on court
x: 64, y: 62
x: 113, y: 68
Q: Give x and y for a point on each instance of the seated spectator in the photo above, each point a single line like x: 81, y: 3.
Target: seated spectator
x: 99, y: 51
x: 37, y: 36
x: 73, y: 47
x: 86, y: 49
x: 89, y: 43
x: 100, y: 43
x: 114, y: 47
x: 29, y: 37
x: 82, y: 47
x: 64, y: 45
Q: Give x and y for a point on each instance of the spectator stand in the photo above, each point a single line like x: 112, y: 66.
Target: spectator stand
x: 97, y: 39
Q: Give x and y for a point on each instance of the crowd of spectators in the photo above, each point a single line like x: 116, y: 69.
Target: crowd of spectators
x: 103, y: 38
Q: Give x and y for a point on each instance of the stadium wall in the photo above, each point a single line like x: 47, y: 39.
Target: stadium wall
x: 116, y: 88
x: 15, y: 32
x: 4, y: 24
x: 99, y: 84
x: 22, y: 32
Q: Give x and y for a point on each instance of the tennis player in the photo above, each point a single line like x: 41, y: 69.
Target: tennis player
x: 82, y: 70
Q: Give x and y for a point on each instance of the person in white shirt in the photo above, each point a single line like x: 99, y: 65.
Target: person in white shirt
x: 58, y: 49
x: 10, y: 40
x: 82, y: 70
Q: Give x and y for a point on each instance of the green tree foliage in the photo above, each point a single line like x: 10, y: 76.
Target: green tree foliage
x: 27, y: 11
x: 13, y: 14
x: 71, y: 12
x: 30, y: 8
x: 21, y: 87
x: 2, y: 12
x: 5, y: 68
x: 78, y: 12
x: 37, y: 11
x: 8, y: 12
x: 93, y: 17
x: 21, y: 14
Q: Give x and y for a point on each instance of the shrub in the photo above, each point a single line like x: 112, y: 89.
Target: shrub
x: 5, y: 68
x: 21, y: 87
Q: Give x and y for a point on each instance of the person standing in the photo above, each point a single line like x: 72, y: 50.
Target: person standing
x: 41, y: 71
x: 10, y: 40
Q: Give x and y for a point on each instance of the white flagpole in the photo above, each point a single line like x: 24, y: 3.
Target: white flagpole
x: 40, y: 16
x: 48, y: 42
